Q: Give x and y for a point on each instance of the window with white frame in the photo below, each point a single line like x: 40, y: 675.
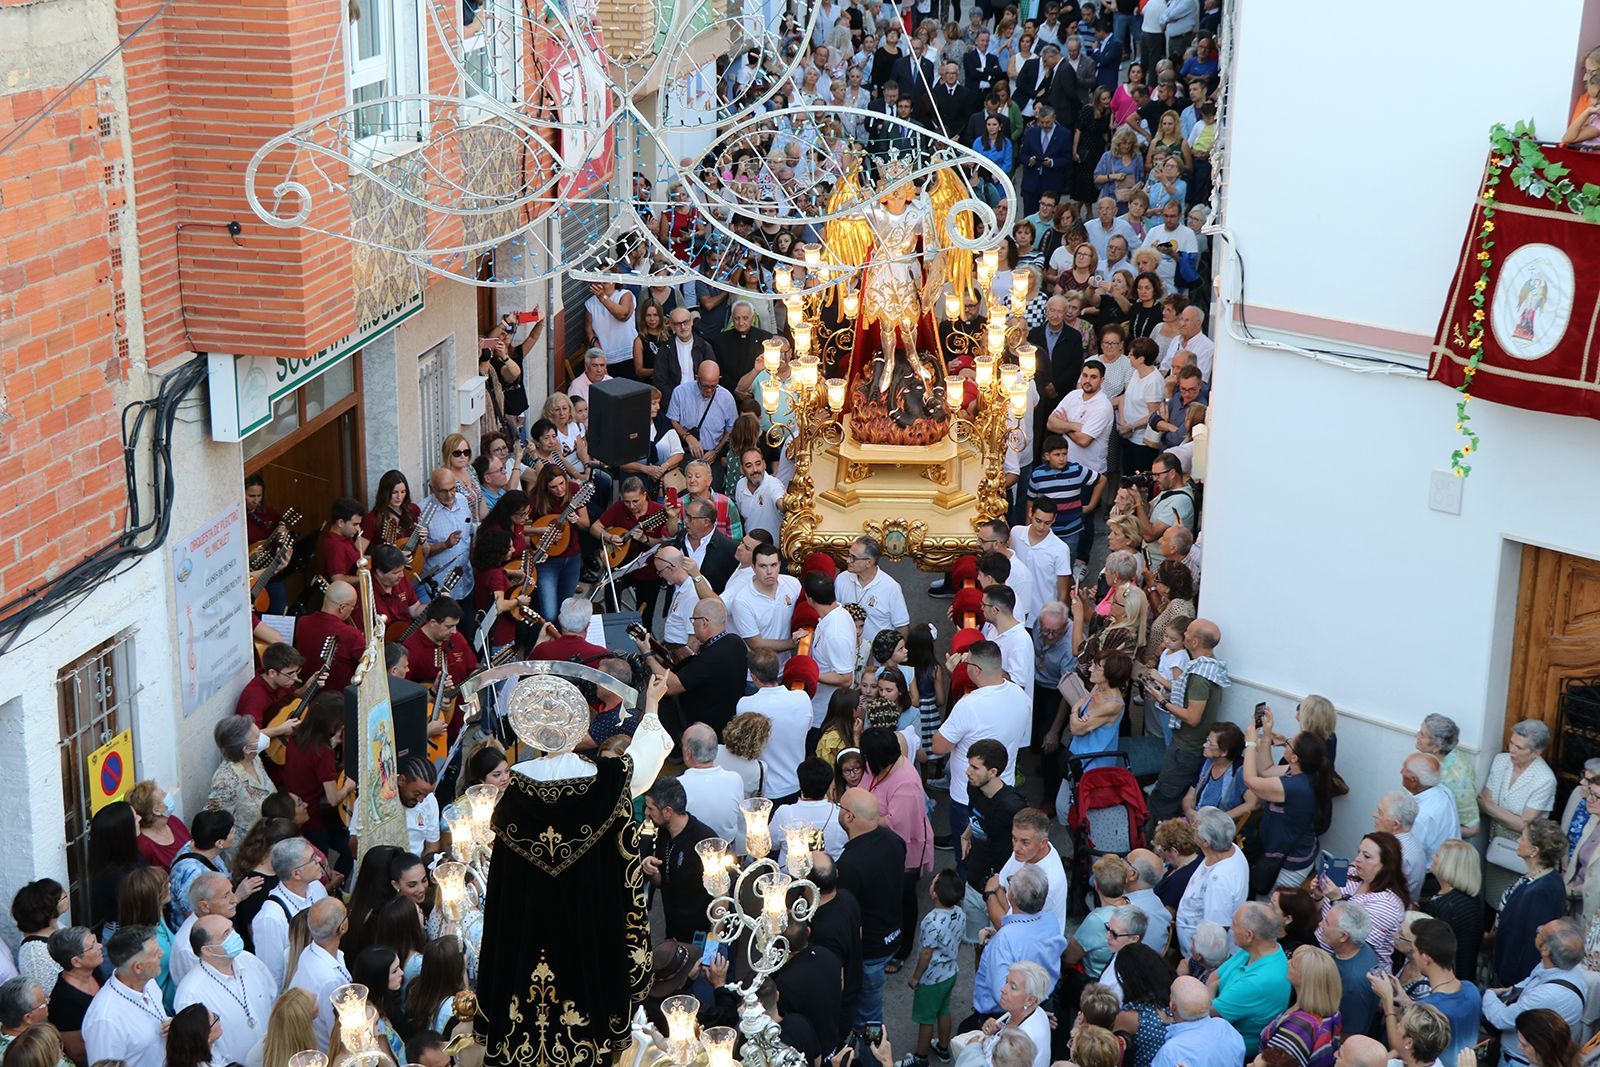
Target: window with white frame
x: 385, y: 59
x: 490, y: 50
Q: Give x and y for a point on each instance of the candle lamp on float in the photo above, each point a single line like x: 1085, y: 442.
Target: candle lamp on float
x: 995, y: 426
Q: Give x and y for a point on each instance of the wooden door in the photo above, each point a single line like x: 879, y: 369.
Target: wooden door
x: 1555, y: 662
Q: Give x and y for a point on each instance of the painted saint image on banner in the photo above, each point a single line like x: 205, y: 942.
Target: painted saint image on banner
x: 380, y: 749
x: 1532, y: 303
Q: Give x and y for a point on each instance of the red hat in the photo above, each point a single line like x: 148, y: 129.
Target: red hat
x: 964, y: 572
x: 967, y: 602
x: 965, y: 639
x: 821, y: 561
x: 801, y: 671
x: 805, y: 616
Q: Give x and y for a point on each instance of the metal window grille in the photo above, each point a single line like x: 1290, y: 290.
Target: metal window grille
x: 1576, y: 734
x: 433, y: 386
x: 94, y: 700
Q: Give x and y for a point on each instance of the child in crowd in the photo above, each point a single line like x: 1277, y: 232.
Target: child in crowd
x: 1169, y: 668
x: 1071, y: 487
x: 934, y: 977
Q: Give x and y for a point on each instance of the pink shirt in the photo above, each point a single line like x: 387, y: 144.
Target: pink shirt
x: 904, y: 806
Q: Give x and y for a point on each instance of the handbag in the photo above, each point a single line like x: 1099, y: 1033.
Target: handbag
x: 1502, y: 852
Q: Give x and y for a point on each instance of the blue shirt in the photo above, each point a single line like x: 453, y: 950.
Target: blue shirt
x: 687, y: 408
x: 1051, y: 663
x: 1208, y: 1042
x: 1020, y: 937
x: 1461, y: 1008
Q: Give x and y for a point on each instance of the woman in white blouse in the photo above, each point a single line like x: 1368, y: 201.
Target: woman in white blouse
x: 1521, y: 787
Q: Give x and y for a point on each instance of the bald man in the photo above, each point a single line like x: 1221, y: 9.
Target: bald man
x: 1197, y: 1038
x: 872, y: 868
x: 332, y: 621
x: 1359, y: 1050
x: 449, y: 533
x: 710, y: 682
x: 702, y: 412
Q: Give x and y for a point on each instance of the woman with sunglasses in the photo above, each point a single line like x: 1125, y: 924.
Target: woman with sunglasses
x: 457, y: 459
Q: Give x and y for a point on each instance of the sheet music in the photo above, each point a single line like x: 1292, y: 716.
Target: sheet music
x: 596, y: 634
x: 283, y: 625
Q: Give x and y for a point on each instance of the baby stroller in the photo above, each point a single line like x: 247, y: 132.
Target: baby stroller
x: 1107, y: 816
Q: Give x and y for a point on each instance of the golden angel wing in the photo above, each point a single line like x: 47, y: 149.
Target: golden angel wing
x: 947, y: 189
x: 848, y: 237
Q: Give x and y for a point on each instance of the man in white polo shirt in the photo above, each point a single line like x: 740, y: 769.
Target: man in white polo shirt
x: 763, y: 612
x: 789, y: 711
x: 996, y: 708
x: 862, y: 582
x: 758, y: 494
x: 833, y: 643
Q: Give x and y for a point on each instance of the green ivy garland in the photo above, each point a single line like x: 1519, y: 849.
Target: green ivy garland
x: 1514, y: 150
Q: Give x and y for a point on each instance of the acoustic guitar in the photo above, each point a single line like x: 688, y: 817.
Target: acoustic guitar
x: 530, y: 579
x: 294, y: 709
x: 556, y: 535
x: 397, y: 632
x: 269, y: 556
x: 260, y: 597
x: 625, y: 553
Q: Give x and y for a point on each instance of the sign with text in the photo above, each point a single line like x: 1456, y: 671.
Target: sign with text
x: 211, y: 580
x: 244, y: 389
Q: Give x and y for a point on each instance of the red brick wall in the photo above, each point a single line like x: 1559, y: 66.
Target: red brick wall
x: 205, y: 90
x: 60, y: 329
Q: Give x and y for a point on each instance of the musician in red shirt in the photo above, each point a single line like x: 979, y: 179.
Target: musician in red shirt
x: 572, y: 623
x: 278, y: 684
x: 338, y: 604
x: 392, y: 593
x: 648, y: 525
x: 394, y: 509
x: 493, y: 587
x: 443, y: 616
x: 259, y: 520
x: 341, y: 545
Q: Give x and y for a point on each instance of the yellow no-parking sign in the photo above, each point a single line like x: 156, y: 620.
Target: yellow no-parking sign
x: 111, y: 771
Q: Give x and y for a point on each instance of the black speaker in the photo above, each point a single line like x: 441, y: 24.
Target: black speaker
x: 408, y: 704
x: 619, y: 422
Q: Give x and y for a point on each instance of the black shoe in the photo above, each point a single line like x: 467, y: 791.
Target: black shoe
x: 944, y: 843
x: 942, y: 591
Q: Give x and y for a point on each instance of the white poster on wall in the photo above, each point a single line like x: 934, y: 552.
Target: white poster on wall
x: 211, y: 583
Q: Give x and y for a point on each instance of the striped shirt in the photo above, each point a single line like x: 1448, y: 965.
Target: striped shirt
x: 1067, y: 489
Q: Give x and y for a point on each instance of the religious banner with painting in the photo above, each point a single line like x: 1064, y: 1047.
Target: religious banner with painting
x: 1521, y: 319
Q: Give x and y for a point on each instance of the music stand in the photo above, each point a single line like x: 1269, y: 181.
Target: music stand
x: 612, y: 575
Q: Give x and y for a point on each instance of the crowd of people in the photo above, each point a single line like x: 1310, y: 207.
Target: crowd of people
x: 945, y: 780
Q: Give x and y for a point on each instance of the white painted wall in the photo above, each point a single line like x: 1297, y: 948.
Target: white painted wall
x: 1323, y: 564
x: 1353, y: 175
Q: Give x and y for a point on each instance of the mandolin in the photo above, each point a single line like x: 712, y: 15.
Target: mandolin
x: 260, y: 598
x: 293, y: 710
x: 442, y: 707
x: 630, y: 548
x: 637, y: 631
x: 557, y: 534
x: 415, y: 547
x: 397, y: 632
x: 262, y: 551
x: 530, y: 579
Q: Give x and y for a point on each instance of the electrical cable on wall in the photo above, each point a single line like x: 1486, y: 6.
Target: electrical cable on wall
x: 66, y: 592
